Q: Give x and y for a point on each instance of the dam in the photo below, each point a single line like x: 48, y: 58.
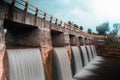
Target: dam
x: 36, y: 47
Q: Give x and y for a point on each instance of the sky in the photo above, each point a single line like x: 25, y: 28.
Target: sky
x: 86, y: 13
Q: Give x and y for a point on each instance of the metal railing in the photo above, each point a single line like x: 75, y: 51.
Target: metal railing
x: 24, y: 5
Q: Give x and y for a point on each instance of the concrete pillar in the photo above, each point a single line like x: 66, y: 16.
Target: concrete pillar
x: 85, y: 41
x: 46, y: 47
x: 67, y: 45
x: 2, y: 50
x: 82, y: 41
x: 72, y: 40
x: 78, y: 41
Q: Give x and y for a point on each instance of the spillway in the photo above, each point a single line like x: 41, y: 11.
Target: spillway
x: 60, y: 58
x: 77, y: 59
x: 25, y: 64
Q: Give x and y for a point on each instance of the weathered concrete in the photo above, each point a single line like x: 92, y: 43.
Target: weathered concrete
x: 68, y: 46
x: 19, y: 34
x: 46, y: 47
x: 2, y: 48
x: 57, y: 39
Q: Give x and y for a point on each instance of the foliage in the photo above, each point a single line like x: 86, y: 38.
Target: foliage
x: 113, y: 33
x: 116, y: 27
x: 69, y: 22
x: 111, y: 37
x: 110, y: 42
x: 81, y: 27
x: 89, y: 31
x: 103, y: 28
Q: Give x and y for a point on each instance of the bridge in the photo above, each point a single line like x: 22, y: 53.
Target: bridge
x: 36, y: 29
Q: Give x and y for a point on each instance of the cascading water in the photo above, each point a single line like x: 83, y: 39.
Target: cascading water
x: 60, y: 59
x: 90, y: 53
x: 85, y: 55
x: 77, y: 59
x: 25, y: 64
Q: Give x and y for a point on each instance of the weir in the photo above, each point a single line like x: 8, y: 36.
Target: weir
x: 24, y: 56
x: 85, y: 56
x: 60, y: 57
x: 23, y: 53
x: 90, y: 55
x: 29, y: 45
x: 25, y: 64
x: 77, y: 59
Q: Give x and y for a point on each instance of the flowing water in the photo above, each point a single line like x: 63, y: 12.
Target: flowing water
x: 25, y: 64
x: 89, y: 53
x: 85, y: 55
x: 77, y: 59
x: 61, y: 60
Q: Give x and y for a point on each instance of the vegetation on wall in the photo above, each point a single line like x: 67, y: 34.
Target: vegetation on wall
x: 75, y: 25
x: 89, y: 31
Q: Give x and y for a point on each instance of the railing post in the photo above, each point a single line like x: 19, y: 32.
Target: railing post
x: 44, y: 15
x: 60, y: 22
x: 72, y: 28
x: 13, y: 2
x: 65, y: 24
x: 50, y: 19
x: 78, y: 29
x: 56, y: 20
x: 36, y: 13
x: 26, y: 6
x: 69, y: 27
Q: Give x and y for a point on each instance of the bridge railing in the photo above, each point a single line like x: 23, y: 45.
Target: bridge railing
x: 26, y: 6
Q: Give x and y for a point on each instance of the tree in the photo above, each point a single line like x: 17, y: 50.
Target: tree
x: 100, y: 30
x: 89, y: 31
x: 103, y: 28
x: 113, y: 33
x: 69, y: 22
x: 81, y: 27
x: 111, y: 37
x: 116, y: 27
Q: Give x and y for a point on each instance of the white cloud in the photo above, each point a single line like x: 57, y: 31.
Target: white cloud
x: 107, y: 9
x: 85, y: 19
x: 88, y: 13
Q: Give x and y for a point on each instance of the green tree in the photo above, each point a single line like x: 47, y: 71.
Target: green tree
x: 69, y: 22
x: 103, y: 28
x: 116, y: 27
x: 111, y: 37
x: 89, y: 31
x: 81, y: 27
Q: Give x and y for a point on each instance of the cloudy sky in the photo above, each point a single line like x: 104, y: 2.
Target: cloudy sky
x: 87, y: 13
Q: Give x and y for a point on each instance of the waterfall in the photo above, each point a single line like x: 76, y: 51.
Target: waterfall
x: 61, y: 60
x: 25, y: 64
x: 77, y: 59
x: 85, y: 55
